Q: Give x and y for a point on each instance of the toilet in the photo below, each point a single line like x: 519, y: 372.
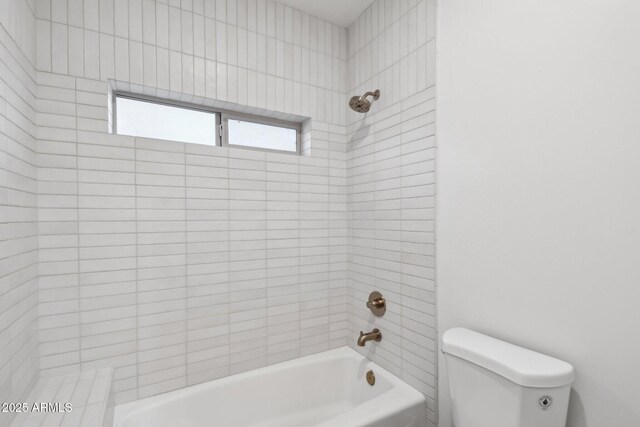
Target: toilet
x: 497, y: 384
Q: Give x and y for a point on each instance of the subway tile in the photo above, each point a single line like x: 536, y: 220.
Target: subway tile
x: 165, y: 210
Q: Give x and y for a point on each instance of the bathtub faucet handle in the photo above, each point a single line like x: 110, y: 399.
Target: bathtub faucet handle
x: 377, y: 303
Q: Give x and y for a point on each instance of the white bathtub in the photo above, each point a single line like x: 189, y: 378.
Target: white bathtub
x: 325, y: 389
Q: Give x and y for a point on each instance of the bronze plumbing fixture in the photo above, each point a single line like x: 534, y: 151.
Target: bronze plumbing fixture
x: 374, y: 335
x: 377, y: 304
x: 360, y: 104
x: 371, y: 377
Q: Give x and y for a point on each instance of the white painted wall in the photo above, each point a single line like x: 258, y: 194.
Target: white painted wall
x: 539, y: 188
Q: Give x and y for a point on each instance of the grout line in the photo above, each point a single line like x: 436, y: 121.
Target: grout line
x: 137, y: 274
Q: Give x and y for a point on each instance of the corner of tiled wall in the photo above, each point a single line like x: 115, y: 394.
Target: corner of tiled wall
x: 391, y: 199
x: 18, y: 199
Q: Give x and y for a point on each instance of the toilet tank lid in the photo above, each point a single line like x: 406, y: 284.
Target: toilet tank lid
x: 517, y: 364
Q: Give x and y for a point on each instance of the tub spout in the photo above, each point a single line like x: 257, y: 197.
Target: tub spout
x: 374, y: 335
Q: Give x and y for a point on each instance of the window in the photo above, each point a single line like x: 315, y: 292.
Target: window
x: 155, y: 120
x: 260, y: 135
x: 162, y: 119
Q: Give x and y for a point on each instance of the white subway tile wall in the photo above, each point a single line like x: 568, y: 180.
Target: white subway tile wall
x: 178, y: 263
x: 18, y: 204
x: 391, y: 176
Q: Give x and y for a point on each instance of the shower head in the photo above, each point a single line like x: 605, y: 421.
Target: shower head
x: 360, y: 104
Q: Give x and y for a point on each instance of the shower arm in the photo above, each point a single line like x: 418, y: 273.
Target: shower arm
x: 375, y: 94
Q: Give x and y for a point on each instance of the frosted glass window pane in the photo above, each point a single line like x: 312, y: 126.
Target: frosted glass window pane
x: 259, y: 135
x: 152, y: 120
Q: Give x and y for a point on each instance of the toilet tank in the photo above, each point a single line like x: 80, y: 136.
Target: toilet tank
x: 497, y: 384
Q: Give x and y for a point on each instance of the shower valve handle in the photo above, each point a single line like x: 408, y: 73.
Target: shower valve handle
x: 377, y: 303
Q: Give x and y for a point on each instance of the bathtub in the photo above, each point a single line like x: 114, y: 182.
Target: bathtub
x: 323, y: 390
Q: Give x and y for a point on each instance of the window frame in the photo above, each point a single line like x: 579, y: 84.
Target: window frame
x: 224, y: 129
x: 222, y: 117
x: 168, y: 103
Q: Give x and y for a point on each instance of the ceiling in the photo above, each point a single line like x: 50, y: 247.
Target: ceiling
x: 341, y: 12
